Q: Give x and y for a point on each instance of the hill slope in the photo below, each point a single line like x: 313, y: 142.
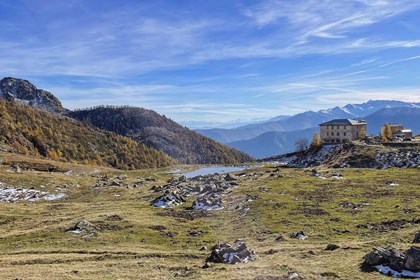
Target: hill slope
x: 32, y: 131
x: 271, y: 143
x: 12, y: 89
x: 150, y: 128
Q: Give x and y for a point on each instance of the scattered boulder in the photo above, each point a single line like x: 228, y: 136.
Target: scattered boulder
x: 206, y: 265
x: 230, y: 177
x: 13, y: 194
x: 280, y: 238
x: 299, y: 235
x: 332, y: 247
x: 208, y: 202
x: 417, y: 238
x: 83, y: 226
x: 168, y: 200
x: 377, y: 256
x: 412, y: 261
x: 337, y: 176
x: 209, y: 190
x: 293, y: 275
x: 15, y: 168
x: 226, y: 253
x: 395, y: 262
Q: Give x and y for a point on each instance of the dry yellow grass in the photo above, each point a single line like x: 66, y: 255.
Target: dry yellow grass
x: 34, y: 244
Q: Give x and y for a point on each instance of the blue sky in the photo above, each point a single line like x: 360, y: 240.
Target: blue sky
x: 207, y: 60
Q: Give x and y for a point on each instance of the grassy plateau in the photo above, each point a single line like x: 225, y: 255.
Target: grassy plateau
x: 135, y: 240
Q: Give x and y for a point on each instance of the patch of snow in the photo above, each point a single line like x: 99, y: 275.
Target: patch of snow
x: 166, y: 202
x: 393, y: 273
x: 302, y: 236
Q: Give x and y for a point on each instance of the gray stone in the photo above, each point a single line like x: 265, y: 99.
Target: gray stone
x: 376, y: 257
x: 417, y: 238
x: 230, y: 177
x: 332, y: 247
x: 412, y: 261
x: 226, y: 253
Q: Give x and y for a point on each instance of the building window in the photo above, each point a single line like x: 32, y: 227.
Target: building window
x: 344, y: 134
x: 332, y: 133
x: 344, y: 128
x: 338, y: 127
x: 327, y: 134
x: 338, y: 133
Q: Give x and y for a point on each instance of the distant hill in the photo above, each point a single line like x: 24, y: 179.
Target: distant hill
x: 32, y: 131
x: 272, y: 143
x: 12, y: 89
x: 150, y: 128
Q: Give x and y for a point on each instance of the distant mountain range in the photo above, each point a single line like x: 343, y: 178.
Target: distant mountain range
x: 278, y: 136
x: 146, y: 127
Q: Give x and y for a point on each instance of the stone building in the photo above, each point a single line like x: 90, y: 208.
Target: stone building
x: 342, y: 131
x: 398, y: 130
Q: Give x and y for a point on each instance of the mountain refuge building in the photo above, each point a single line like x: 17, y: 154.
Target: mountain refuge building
x: 342, y: 131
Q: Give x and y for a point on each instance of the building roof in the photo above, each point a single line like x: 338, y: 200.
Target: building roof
x: 343, y: 122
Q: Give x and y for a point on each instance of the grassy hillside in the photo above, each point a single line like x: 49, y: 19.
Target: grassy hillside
x: 30, y: 131
x: 138, y: 241
x: 150, y: 128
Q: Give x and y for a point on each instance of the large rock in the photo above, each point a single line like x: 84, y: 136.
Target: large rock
x: 417, y: 238
x: 412, y: 261
x: 299, y: 235
x: 82, y: 226
x: 395, y: 262
x: 377, y: 256
x: 226, y: 253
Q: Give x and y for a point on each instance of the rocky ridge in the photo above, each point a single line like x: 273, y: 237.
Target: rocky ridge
x: 353, y: 156
x: 12, y: 89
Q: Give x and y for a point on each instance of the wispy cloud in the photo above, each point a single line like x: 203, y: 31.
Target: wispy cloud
x: 176, y: 58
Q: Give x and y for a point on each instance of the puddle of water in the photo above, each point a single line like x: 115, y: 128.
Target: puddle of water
x: 212, y: 170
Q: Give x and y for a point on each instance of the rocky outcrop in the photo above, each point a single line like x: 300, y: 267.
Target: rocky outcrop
x: 395, y: 262
x: 14, y: 194
x: 226, y: 253
x: 12, y: 89
x: 352, y: 155
x: 208, y: 189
